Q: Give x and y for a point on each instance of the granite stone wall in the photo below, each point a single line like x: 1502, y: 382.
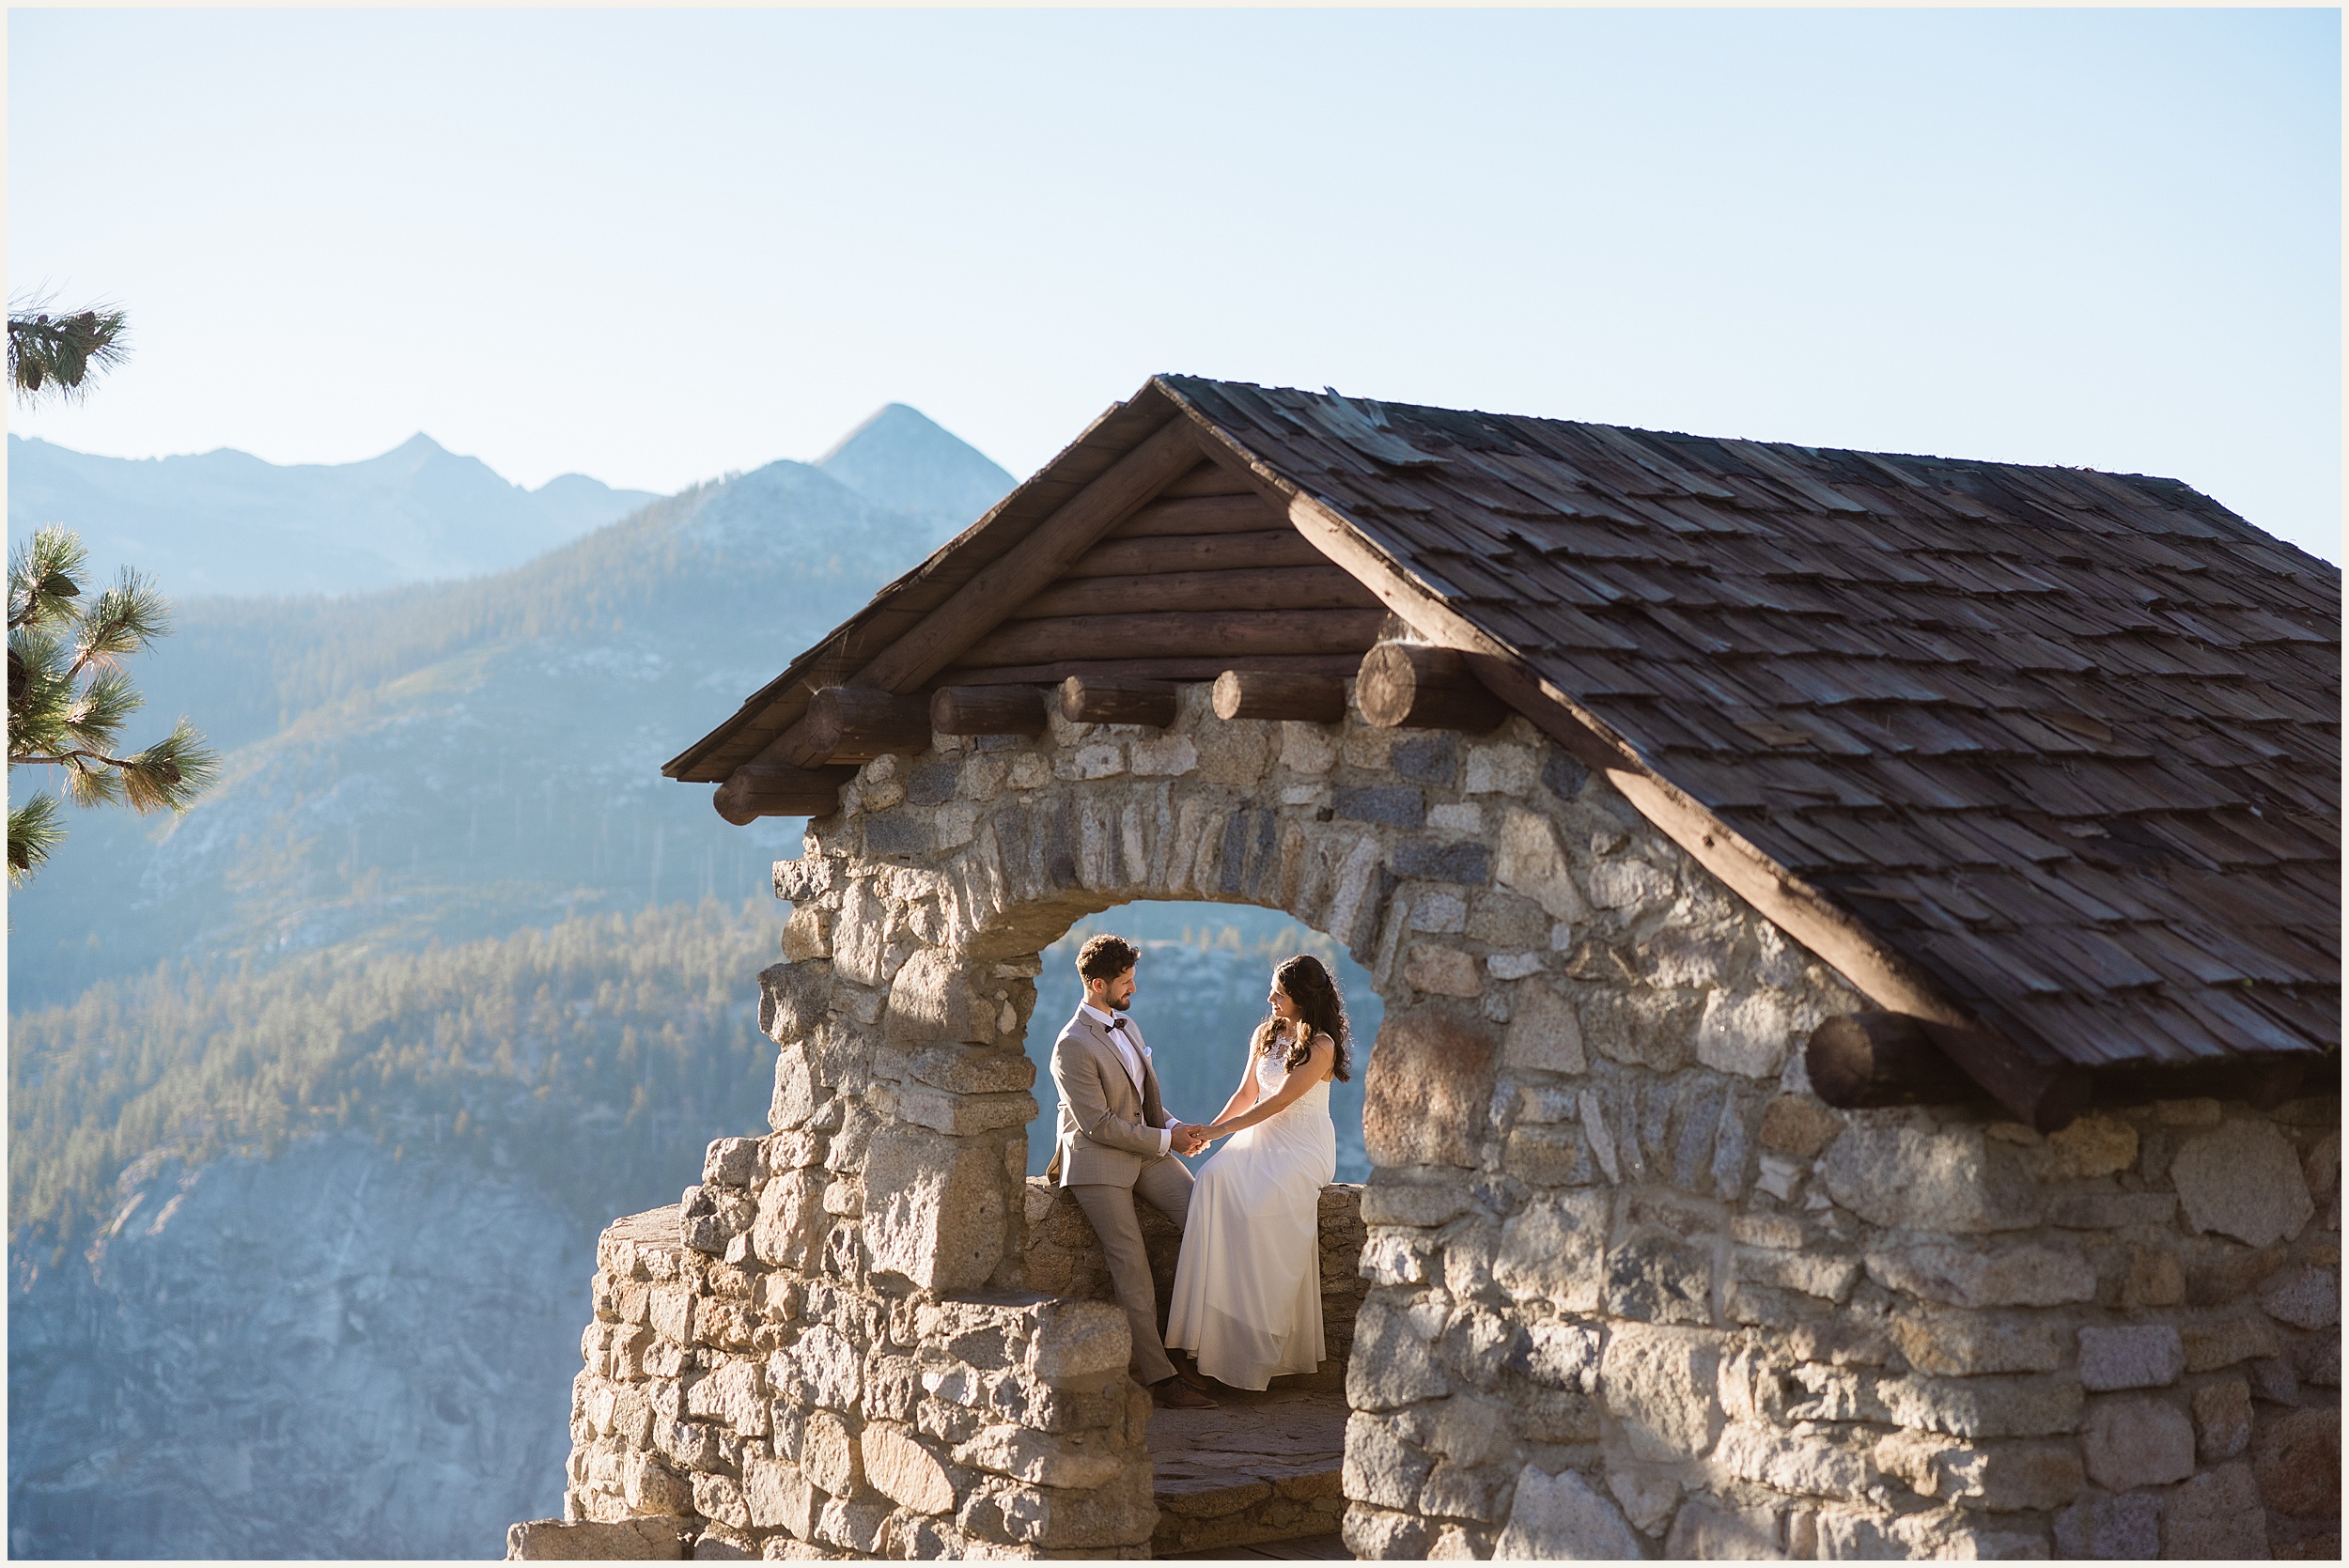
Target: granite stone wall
x: 1631, y: 1289
x: 1865, y: 1335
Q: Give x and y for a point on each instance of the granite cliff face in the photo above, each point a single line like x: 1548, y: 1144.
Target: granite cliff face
x: 332, y: 1354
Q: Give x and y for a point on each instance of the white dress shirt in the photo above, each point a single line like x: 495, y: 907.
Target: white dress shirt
x: 1130, y: 1056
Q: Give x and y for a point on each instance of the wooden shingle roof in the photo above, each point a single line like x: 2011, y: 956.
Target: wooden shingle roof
x: 2066, y: 743
x: 2068, y: 740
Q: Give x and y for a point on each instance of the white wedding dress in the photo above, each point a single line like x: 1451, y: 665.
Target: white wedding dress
x: 1247, y: 1287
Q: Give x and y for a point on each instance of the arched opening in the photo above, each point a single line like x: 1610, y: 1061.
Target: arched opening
x: 1204, y: 992
x: 1264, y: 1467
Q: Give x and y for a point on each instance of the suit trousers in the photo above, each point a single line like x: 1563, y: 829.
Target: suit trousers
x: 1165, y: 1184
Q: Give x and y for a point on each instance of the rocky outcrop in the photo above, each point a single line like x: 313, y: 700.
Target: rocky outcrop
x: 332, y: 1354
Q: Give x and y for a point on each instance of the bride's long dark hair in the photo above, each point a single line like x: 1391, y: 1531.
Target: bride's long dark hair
x: 1308, y: 984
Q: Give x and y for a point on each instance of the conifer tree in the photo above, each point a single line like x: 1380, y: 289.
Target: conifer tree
x: 68, y: 695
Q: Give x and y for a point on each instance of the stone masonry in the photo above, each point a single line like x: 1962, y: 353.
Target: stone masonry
x: 1631, y: 1290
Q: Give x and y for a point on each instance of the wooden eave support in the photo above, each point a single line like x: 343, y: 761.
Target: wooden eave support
x: 759, y: 789
x: 989, y: 711
x: 855, y: 724
x: 1275, y: 694
x: 1116, y: 700
x: 1800, y: 909
x: 1412, y: 685
x: 1877, y: 1059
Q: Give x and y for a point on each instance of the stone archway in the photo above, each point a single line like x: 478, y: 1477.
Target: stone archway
x: 919, y: 911
x: 849, y: 1301
x: 1613, y: 1268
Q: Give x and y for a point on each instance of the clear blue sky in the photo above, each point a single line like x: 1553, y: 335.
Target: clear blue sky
x: 657, y: 245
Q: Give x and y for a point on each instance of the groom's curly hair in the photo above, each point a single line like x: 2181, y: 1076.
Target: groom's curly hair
x: 1307, y: 980
x: 1106, y: 957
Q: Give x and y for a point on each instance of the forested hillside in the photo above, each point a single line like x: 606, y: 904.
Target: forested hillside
x: 285, y: 1241
x: 319, y: 1094
x: 594, y: 1057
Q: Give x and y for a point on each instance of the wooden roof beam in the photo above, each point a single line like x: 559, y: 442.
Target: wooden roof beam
x: 855, y: 724
x: 775, y: 790
x: 1877, y: 1059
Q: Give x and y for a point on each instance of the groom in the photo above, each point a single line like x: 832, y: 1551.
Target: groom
x: 1114, y: 1141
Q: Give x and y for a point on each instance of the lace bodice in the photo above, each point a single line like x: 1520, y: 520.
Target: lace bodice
x: 1272, y: 1071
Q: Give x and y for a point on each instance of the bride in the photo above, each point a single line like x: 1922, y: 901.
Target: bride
x: 1247, y: 1287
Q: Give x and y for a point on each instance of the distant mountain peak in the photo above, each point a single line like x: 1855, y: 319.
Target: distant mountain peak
x: 903, y: 459
x: 887, y: 417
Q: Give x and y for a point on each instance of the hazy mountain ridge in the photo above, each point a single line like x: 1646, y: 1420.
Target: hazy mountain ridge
x: 228, y: 522
x: 248, y: 667
x: 461, y: 758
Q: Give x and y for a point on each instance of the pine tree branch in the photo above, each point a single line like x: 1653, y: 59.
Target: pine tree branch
x: 34, y: 831
x: 69, y: 759
x: 41, y: 573
x: 126, y: 618
x: 55, y: 354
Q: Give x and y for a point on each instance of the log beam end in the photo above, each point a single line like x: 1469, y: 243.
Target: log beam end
x: 1865, y: 1060
x: 855, y: 724
x: 1277, y: 694
x: 1418, y: 686
x: 1114, y: 700
x: 989, y: 711
x: 758, y: 789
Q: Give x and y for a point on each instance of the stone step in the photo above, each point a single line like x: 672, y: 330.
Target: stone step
x: 1261, y: 1467
x: 578, y: 1541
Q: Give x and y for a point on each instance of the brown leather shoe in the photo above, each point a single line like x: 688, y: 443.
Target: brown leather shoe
x: 1188, y: 1370
x: 1176, y: 1394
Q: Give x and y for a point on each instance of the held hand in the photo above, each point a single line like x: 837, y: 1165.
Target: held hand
x: 1188, y: 1138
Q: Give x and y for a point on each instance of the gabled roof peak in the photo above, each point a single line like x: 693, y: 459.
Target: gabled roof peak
x: 2056, y: 750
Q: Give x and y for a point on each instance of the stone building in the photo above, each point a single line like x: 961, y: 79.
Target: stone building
x: 1860, y: 944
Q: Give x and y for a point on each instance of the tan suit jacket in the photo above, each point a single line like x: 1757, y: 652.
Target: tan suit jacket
x: 1109, y: 1124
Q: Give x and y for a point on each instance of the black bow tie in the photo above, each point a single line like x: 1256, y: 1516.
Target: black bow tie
x: 1117, y: 1023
